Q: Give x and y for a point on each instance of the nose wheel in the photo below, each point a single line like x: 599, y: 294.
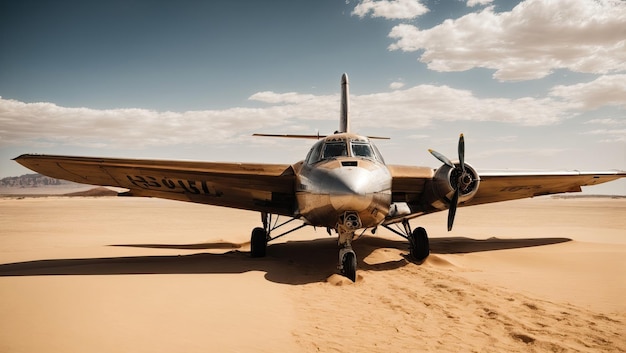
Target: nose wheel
x: 348, y: 263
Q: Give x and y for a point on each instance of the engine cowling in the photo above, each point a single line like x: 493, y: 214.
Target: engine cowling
x: 446, y: 180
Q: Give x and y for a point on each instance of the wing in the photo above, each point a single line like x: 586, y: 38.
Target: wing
x: 414, y: 186
x: 503, y: 186
x: 256, y: 187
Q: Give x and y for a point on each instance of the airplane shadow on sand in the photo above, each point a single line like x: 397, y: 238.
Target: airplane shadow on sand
x: 292, y: 262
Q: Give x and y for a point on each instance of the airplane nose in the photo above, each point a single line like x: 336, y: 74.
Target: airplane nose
x: 351, y: 189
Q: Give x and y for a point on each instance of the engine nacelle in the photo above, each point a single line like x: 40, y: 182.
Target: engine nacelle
x: 444, y: 184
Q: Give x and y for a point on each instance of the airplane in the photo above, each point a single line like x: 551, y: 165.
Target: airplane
x: 343, y: 185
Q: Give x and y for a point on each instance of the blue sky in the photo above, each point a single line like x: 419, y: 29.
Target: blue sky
x: 532, y: 84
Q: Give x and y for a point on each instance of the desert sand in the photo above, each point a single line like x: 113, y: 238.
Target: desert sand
x: 116, y: 274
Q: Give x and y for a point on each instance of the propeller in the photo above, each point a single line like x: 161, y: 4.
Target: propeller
x: 459, y: 174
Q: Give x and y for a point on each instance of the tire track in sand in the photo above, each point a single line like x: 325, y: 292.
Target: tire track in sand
x: 432, y: 308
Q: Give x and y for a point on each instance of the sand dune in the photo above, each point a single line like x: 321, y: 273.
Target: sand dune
x: 143, y: 275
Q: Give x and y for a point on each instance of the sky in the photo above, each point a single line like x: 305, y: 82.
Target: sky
x: 533, y: 85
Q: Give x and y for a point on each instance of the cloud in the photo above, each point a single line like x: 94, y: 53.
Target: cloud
x: 390, y: 9
x: 607, y: 121
x: 605, y: 90
x: 472, y: 3
x: 526, y: 152
x: 608, y: 135
x: 396, y: 85
x: 529, y: 42
x: 42, y: 123
x: 280, y: 98
x: 408, y: 109
x: 424, y: 105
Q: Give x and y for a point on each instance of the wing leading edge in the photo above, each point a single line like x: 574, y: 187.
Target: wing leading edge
x: 256, y: 187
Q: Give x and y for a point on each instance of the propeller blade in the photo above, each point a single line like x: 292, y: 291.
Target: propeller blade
x: 442, y: 158
x: 462, y: 152
x: 452, y: 211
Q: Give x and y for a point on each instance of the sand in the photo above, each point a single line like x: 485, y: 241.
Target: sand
x: 143, y: 275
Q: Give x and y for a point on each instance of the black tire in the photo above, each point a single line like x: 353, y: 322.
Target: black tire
x: 258, y: 242
x: 420, y: 247
x: 349, y: 266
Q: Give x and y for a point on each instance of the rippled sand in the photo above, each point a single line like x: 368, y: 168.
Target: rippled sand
x: 143, y: 275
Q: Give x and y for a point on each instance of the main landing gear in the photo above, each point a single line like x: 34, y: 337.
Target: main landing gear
x: 419, y: 246
x: 258, y: 242
x: 261, y: 236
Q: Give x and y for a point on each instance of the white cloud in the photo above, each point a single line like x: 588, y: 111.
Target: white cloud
x: 280, y: 98
x: 472, y: 3
x: 396, y: 85
x: 607, y: 121
x: 48, y: 123
x: 390, y: 9
x: 409, y: 109
x: 609, y: 135
x: 528, y: 42
x: 512, y: 152
x: 424, y: 105
x: 605, y: 90
x: 418, y: 137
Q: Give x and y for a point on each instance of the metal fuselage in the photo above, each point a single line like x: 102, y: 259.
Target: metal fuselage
x: 343, y: 184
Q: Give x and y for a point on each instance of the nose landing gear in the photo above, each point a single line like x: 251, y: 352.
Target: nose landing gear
x: 347, y: 260
x: 349, y: 222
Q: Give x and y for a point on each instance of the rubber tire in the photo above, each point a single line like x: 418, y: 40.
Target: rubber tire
x: 349, y: 266
x: 258, y: 242
x: 420, y: 247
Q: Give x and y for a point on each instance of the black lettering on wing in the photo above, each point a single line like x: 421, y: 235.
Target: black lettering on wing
x: 168, y: 183
x: 189, y: 186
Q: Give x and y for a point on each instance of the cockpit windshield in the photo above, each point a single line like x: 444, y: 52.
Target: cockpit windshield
x: 324, y: 150
x: 335, y: 149
x: 360, y: 149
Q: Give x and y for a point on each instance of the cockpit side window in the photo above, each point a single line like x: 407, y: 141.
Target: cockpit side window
x: 378, y: 155
x: 335, y: 149
x: 315, y: 153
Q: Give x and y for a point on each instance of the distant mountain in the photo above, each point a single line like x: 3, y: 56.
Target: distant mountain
x: 32, y: 181
x: 94, y: 192
x: 37, y: 185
